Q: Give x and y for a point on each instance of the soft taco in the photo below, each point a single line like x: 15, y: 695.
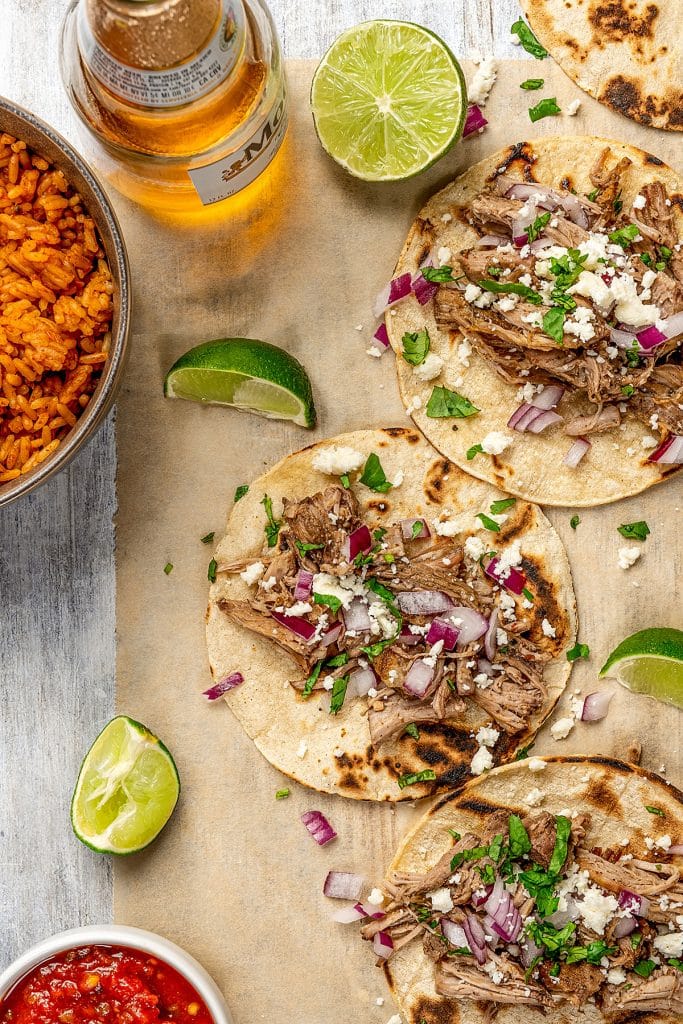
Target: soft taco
x: 397, y: 625
x: 626, y: 53
x: 550, y: 887
x: 541, y: 348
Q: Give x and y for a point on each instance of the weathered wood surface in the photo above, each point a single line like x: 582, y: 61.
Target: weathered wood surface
x: 57, y: 587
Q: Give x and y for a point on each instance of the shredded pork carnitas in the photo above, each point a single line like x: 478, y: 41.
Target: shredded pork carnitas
x: 524, y: 912
x: 593, y: 274
x: 370, y: 616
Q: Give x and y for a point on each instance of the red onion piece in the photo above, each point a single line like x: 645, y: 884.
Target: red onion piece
x: 675, y: 850
x: 392, y: 293
x: 549, y: 199
x: 424, y: 602
x: 549, y: 397
x: 476, y: 938
x: 673, y: 325
x: 526, y: 416
x: 224, y: 685
x: 474, y: 120
x: 650, y: 337
x: 360, y: 682
x: 495, y: 897
x: 319, y: 827
x: 343, y: 885
x: 541, y: 243
x: 479, y: 900
x: 492, y: 936
x: 418, y: 678
x: 470, y: 624
x: 423, y: 289
x: 304, y: 585
x: 357, y: 543
x: 383, y: 945
x: 596, y: 706
x: 545, y: 419
x: 524, y: 412
x: 331, y: 636
x: 357, y: 616
x: 454, y: 933
x: 529, y: 951
x: 519, y: 240
x: 635, y: 904
x: 490, y: 638
x: 622, y: 339
x: 624, y: 926
x: 407, y: 529
x: 670, y: 452
x: 373, y: 911
x: 484, y: 666
x: 380, y: 338
x: 487, y: 241
x: 576, y: 452
x: 295, y: 624
x: 515, y: 581
x: 408, y: 639
x: 439, y: 629
x: 348, y: 915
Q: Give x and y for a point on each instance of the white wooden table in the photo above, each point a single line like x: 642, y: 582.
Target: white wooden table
x: 57, y: 584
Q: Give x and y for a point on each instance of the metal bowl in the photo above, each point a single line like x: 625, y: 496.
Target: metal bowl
x: 49, y: 144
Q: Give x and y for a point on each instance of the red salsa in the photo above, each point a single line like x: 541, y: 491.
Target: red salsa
x: 103, y: 985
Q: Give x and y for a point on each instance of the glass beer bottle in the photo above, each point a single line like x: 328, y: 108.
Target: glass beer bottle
x: 184, y: 99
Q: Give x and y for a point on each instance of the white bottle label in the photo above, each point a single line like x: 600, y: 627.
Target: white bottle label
x: 233, y: 172
x: 173, y: 86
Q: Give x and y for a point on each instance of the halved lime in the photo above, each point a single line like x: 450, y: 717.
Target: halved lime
x: 244, y: 374
x: 650, y: 662
x: 127, y: 788
x: 388, y: 99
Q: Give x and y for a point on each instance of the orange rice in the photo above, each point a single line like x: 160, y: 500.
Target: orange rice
x: 55, y: 308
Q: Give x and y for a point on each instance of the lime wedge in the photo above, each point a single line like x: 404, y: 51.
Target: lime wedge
x: 127, y: 788
x: 244, y: 374
x: 388, y: 100
x: 650, y: 662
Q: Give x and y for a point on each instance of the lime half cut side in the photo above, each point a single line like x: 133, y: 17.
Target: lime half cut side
x: 650, y: 662
x: 126, y: 791
x: 246, y: 374
x: 388, y: 100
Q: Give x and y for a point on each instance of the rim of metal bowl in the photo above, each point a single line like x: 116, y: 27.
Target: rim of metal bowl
x: 43, y: 139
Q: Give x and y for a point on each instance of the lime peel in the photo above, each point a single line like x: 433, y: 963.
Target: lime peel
x: 650, y: 662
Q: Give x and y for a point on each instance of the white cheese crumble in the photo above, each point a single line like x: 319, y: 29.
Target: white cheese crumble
x: 482, y: 83
x: 465, y: 351
x: 472, y: 292
x: 494, y: 972
x: 413, y: 405
x: 298, y: 608
x: 252, y: 573
x: 597, y: 909
x: 487, y: 737
x: 446, y: 527
x: 344, y: 588
x: 534, y: 798
x: 376, y: 897
x: 670, y: 945
x: 474, y: 548
x: 302, y: 749
x: 639, y: 202
x: 572, y: 109
x: 616, y: 976
x: 560, y: 729
x: 430, y: 367
x: 395, y: 1019
x: 481, y: 761
x: 508, y: 559
x: 628, y: 557
x: 443, y: 255
x: 441, y: 900
x: 535, y: 764
x: 548, y: 630
x: 337, y: 459
x: 496, y: 442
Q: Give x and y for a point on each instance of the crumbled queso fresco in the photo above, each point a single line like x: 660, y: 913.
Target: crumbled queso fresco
x: 337, y: 459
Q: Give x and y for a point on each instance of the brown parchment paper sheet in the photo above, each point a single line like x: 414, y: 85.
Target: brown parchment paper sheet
x: 235, y: 877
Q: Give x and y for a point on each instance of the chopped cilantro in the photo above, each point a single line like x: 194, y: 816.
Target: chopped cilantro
x: 427, y: 775
x: 412, y: 730
x: 531, y: 84
x: 624, y: 236
x: 312, y: 679
x: 328, y: 601
x: 489, y: 523
x: 655, y: 810
x: 389, y: 599
x: 527, y: 594
x: 592, y: 196
x: 636, y: 939
x: 487, y: 874
x: 541, y: 885
x: 546, y: 108
x: 675, y: 962
x: 303, y: 549
x: 536, y: 227
x: 592, y: 953
x: 445, y: 403
x: 562, y: 300
x: 646, y: 258
x: 553, y: 323
x: 374, y: 476
x: 344, y: 480
x: 528, y: 40
x: 645, y: 968
x: 379, y: 533
x: 627, y: 390
x: 207, y: 538
x: 456, y: 835
x: 633, y: 355
x: 634, y: 531
x: 338, y: 694
x: 282, y: 794
x: 213, y: 565
x: 555, y: 940
x: 519, y: 837
x: 496, y: 848
x: 472, y: 452
x: 578, y: 651
x: 617, y: 203
x: 338, y: 660
x: 437, y: 275
x: 563, y: 827
x: 660, y: 265
x: 168, y: 568
x: 665, y: 253
x: 240, y: 492
x: 574, y: 522
x: 415, y: 347
x: 416, y: 529
x: 500, y: 506
x: 523, y: 752
x: 514, y: 287
x: 494, y: 271
x: 272, y: 527
x: 555, y: 970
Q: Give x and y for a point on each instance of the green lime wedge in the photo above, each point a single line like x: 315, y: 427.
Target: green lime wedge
x: 388, y: 100
x: 244, y: 374
x: 127, y: 788
x: 650, y: 662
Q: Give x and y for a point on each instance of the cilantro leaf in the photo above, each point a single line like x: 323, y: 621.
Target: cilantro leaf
x: 627, y: 390
x: 282, y: 794
x: 563, y: 828
x: 646, y: 258
x: 445, y: 403
x: 240, y: 492
x: 428, y: 775
x: 513, y: 287
x: 592, y: 196
x: 578, y: 651
x: 645, y: 968
x: 553, y: 939
x: 528, y: 40
x: 546, y: 108
x: 415, y: 347
x: 344, y: 480
x: 489, y: 523
x: 412, y: 730
x: 211, y: 574
x: 312, y: 679
x: 328, y: 601
x: 305, y: 548
x: 541, y: 885
x: 374, y: 476
x: 624, y: 236
x: 207, y: 538
x: 574, y: 522
x: 536, y: 227
x: 472, y: 452
x: 338, y: 660
x: 634, y: 531
x: 655, y: 810
x: 168, y: 568
x: 532, y: 83
x: 523, y: 753
x: 519, y: 837
x: 592, y: 953
x: 416, y: 529
x: 338, y: 694
x: 500, y: 506
x: 272, y: 527
x: 553, y: 323
x: 437, y: 275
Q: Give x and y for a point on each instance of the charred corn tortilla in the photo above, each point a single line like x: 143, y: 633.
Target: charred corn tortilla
x: 616, y: 465
x: 333, y: 753
x: 615, y: 795
x: 626, y: 53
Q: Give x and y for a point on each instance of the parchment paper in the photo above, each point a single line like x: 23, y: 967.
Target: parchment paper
x: 235, y: 877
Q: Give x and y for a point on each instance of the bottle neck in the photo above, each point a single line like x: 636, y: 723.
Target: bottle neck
x: 161, y: 53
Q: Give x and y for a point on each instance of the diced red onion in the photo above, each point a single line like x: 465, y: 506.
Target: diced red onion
x: 675, y: 850
x: 392, y: 293
x: 470, y: 623
x: 424, y: 602
x: 525, y: 417
x: 357, y: 543
x: 549, y: 397
x: 492, y: 936
x: 408, y: 638
x: 348, y: 915
x: 487, y: 241
x: 439, y: 629
x: 454, y: 933
x: 624, y: 926
x: 407, y: 529
x: 476, y: 938
x: 357, y: 616
x: 650, y: 337
x: 295, y: 624
x: 541, y: 243
x: 576, y: 452
x: 484, y: 666
x: 380, y: 338
x: 497, y: 894
x: 343, y: 885
x: 549, y: 199
x: 522, y: 415
x: 673, y: 325
x: 635, y: 904
x: 519, y: 240
x: 383, y: 945
x: 423, y: 289
x: 529, y: 951
x: 622, y: 339
x: 319, y: 827
x: 224, y: 685
x: 373, y: 911
x: 515, y: 581
x: 546, y: 419
x: 670, y: 452
x: 479, y: 900
x: 418, y: 678
x: 474, y: 120
x: 331, y: 636
x: 490, y: 638
x: 360, y: 682
x: 304, y: 585
x: 596, y: 706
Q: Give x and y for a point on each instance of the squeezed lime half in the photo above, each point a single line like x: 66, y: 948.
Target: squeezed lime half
x: 388, y: 100
x: 126, y: 790
x: 650, y: 662
x: 246, y: 374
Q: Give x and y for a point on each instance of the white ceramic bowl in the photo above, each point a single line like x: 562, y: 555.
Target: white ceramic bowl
x: 131, y: 938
